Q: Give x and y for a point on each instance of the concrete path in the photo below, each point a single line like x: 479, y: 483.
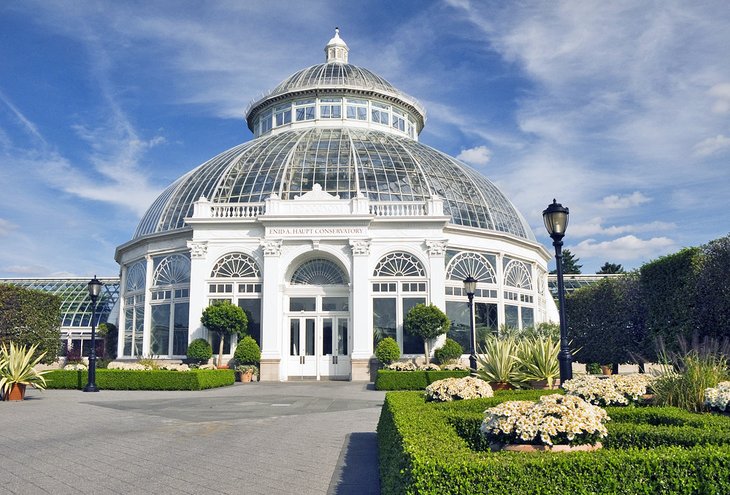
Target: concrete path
x: 258, y: 438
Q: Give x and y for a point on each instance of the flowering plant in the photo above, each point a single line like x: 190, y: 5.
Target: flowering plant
x: 718, y: 398
x: 449, y: 389
x: 407, y: 366
x: 554, y: 419
x: 616, y: 390
x: 75, y: 367
x: 454, y: 367
x: 429, y: 367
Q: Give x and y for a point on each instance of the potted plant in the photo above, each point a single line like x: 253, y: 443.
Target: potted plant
x: 537, y: 360
x: 17, y: 370
x: 247, y: 357
x: 427, y: 322
x: 497, y: 362
x: 199, y: 352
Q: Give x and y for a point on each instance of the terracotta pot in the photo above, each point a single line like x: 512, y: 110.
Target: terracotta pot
x: 607, y: 370
x: 508, y: 447
x: 542, y: 385
x: 223, y: 367
x: 501, y: 386
x: 17, y: 392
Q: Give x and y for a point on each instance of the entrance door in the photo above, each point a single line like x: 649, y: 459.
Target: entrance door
x: 302, y: 347
x: 334, y: 357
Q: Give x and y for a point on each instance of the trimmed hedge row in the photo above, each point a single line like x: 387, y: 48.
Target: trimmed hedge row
x: 142, y: 380
x: 412, y: 380
x: 430, y: 448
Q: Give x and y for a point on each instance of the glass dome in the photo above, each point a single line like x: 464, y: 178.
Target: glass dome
x: 345, y: 162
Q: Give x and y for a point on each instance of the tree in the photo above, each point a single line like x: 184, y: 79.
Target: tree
x: 427, y: 322
x: 713, y: 289
x: 224, y: 319
x: 609, y: 268
x: 570, y: 263
x: 29, y: 317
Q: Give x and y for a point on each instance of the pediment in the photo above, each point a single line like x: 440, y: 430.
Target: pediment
x: 317, y: 194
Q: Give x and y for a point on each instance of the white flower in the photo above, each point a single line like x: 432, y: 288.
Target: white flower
x: 406, y: 366
x: 718, y: 398
x: 450, y: 389
x: 616, y: 390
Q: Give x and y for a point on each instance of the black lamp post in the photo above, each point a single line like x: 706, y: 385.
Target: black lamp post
x: 555, y: 217
x: 470, y: 286
x: 94, y: 287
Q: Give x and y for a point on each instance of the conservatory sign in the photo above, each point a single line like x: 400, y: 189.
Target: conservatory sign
x: 299, y: 232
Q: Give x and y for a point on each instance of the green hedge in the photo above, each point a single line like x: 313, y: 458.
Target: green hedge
x: 430, y: 448
x: 30, y: 317
x: 142, y: 380
x: 412, y: 380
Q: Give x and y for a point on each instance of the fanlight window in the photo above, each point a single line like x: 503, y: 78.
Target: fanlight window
x: 174, y: 269
x: 475, y: 265
x: 318, y: 272
x: 236, y: 265
x: 517, y: 274
x: 399, y: 265
x: 136, y: 276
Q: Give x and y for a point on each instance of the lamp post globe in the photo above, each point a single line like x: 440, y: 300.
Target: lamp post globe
x: 94, y: 288
x: 555, y: 217
x: 470, y: 285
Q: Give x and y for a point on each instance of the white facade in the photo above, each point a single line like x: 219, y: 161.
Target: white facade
x: 325, y: 269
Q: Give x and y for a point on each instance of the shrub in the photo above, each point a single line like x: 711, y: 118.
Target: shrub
x: 199, y: 351
x: 387, y: 351
x: 427, y: 322
x: 30, y: 317
x: 108, y: 379
x: 224, y: 318
x: 449, y: 352
x: 448, y: 389
x: 593, y: 368
x: 497, y: 361
x: 247, y: 351
x: 412, y: 380
x: 537, y: 360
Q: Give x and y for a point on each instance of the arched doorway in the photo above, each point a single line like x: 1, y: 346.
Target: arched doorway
x: 318, y: 321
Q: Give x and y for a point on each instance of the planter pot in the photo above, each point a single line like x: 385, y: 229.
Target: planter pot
x: 508, y: 447
x: 607, y: 370
x: 501, y: 386
x: 17, y: 392
x: 223, y: 367
x: 246, y: 377
x: 542, y: 385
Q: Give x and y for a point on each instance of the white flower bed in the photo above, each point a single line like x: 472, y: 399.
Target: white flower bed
x: 554, y: 419
x: 175, y: 367
x: 128, y: 366
x: 449, y: 389
x: 616, y: 390
x: 429, y: 367
x: 399, y: 366
x: 718, y: 398
x: 75, y: 367
x: 455, y: 367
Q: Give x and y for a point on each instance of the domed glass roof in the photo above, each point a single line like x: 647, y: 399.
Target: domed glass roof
x: 331, y: 75
x: 344, y: 161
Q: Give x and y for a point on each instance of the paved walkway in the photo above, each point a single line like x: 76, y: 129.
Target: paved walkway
x: 259, y: 438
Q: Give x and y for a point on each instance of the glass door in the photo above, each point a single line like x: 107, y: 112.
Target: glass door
x: 302, y: 347
x: 334, y: 354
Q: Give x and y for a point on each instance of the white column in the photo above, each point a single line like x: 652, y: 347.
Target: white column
x: 437, y: 280
x: 122, y: 311
x: 198, y: 288
x: 361, y: 311
x: 147, y: 335
x: 273, y: 367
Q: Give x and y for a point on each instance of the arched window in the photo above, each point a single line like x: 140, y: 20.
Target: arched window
x: 517, y: 274
x: 318, y: 272
x: 170, y: 305
x: 236, y: 277
x: 236, y: 265
x: 519, y: 309
x: 475, y: 265
x: 134, y: 296
x: 399, y: 283
x: 399, y: 265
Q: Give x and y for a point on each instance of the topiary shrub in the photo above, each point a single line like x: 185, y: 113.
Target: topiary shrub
x: 387, y: 351
x: 224, y: 318
x: 247, y: 351
x: 427, y: 322
x: 200, y: 351
x: 449, y: 352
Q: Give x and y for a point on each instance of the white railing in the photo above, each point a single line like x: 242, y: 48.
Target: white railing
x: 398, y: 209
x: 243, y: 210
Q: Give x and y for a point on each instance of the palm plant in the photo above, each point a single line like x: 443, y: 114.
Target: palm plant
x: 17, y: 366
x: 497, y: 360
x: 537, y: 359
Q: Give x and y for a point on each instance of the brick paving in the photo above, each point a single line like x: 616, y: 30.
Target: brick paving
x: 259, y: 438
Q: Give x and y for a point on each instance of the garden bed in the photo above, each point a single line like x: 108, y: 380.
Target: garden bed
x: 413, y: 380
x: 141, y: 380
x: 437, y: 448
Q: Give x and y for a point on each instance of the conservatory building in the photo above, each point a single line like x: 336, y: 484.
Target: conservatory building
x: 326, y: 228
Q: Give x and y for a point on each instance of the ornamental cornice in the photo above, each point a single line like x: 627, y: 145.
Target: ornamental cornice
x: 272, y: 247
x: 360, y: 247
x: 436, y: 248
x: 198, y: 249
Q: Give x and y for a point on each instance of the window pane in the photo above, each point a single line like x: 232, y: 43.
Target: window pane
x: 460, y: 330
x: 342, y: 337
x: 335, y: 304
x: 327, y: 336
x: 302, y: 304
x: 215, y: 341
x: 310, y: 336
x: 180, y: 337
x: 138, y: 330
x: 293, y: 337
x: 511, y: 316
x: 528, y: 318
x: 128, y: 326
x: 486, y: 321
x: 383, y: 319
x: 411, y: 343
x: 252, y: 308
x: 160, y: 330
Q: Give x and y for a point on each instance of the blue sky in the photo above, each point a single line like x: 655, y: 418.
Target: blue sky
x: 620, y: 110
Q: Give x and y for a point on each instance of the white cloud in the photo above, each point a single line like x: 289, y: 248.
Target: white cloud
x: 617, y: 201
x: 595, y: 227
x: 6, y: 226
x: 627, y: 248
x: 722, y: 94
x: 710, y: 146
x: 479, y: 155
x: 26, y: 124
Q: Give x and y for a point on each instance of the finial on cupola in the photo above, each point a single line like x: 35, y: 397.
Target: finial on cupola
x: 336, y: 50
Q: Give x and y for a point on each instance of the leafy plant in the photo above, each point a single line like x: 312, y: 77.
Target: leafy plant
x: 31, y: 317
x: 427, y: 322
x: 247, y: 352
x: 593, y: 368
x: 387, y: 351
x: 497, y: 360
x: 17, y: 366
x: 224, y: 319
x: 449, y: 352
x: 246, y: 368
x: 150, y: 362
x: 199, y: 351
x: 537, y: 360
